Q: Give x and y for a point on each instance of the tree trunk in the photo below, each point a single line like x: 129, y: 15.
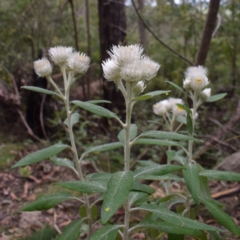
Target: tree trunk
x: 141, y: 28
x: 207, y: 32
x: 112, y: 31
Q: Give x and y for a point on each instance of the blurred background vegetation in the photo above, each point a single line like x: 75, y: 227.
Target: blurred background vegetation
x: 30, y: 27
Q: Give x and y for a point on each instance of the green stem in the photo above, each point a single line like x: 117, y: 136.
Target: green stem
x: 127, y: 150
x: 75, y: 152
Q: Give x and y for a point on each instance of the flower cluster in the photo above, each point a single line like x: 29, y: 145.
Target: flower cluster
x: 75, y: 62
x: 196, y: 80
x: 130, y: 64
x: 169, y: 105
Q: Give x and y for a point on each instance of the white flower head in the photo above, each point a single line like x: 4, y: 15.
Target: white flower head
x: 78, y: 62
x: 133, y: 72
x: 139, y: 87
x: 161, y: 108
x: 195, y: 78
x: 126, y: 54
x: 150, y: 67
x: 60, y: 54
x: 42, y: 67
x: 206, y: 93
x: 111, y: 70
x: 177, y: 111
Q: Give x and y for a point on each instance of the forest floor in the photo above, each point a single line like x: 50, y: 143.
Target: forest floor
x: 18, y: 188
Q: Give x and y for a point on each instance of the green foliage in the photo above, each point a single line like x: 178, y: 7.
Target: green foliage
x: 72, y: 230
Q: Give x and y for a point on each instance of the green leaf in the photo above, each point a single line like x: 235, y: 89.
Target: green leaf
x: 118, y: 188
x: 216, y: 97
x: 222, y: 217
x: 167, y: 135
x: 169, y: 227
x: 40, y: 155
x: 84, y: 186
x: 98, y: 101
x: 135, y: 196
x: 40, y: 90
x: 175, y: 85
x: 72, y: 230
x: 47, y: 202
x: 74, y: 119
x: 137, y: 186
x: 162, y: 177
x: 189, y: 124
x: 103, y: 148
x: 191, y: 176
x: 177, y: 219
x: 133, y: 133
x: 98, y: 110
x: 221, y: 175
x: 140, y: 172
x: 108, y: 232
x: 150, y: 95
x: 146, y: 163
x: 63, y: 162
x: 187, y: 109
x: 101, y: 177
x: 148, y: 141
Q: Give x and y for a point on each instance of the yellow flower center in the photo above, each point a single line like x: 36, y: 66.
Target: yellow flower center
x: 198, y: 81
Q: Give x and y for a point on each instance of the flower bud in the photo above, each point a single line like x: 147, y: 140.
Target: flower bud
x: 42, y: 67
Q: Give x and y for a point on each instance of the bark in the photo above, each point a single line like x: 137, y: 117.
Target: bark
x: 112, y: 31
x: 141, y: 28
x: 207, y: 32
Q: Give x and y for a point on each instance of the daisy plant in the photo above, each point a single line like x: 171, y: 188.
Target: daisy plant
x: 130, y: 69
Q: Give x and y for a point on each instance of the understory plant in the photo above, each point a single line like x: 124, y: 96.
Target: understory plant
x: 172, y: 216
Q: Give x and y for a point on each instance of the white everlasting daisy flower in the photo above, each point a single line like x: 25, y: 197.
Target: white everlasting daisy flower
x: 78, y: 62
x: 206, y: 93
x: 60, y: 54
x: 195, y: 78
x: 150, y: 67
x: 111, y: 70
x: 177, y: 111
x: 161, y: 108
x: 126, y: 54
x: 42, y: 67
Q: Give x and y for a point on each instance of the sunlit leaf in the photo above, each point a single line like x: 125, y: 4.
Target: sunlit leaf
x: 216, y: 97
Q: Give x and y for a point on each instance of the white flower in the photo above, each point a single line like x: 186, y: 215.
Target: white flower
x: 111, y: 70
x: 60, y: 54
x: 195, y: 78
x: 133, y: 72
x: 139, y: 87
x: 150, y: 68
x: 161, y: 108
x: 206, y: 93
x: 78, y: 63
x: 126, y: 54
x: 177, y: 111
x: 42, y: 67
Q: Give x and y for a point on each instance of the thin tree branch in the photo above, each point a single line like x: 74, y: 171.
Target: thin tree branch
x: 157, y: 38
x: 74, y: 24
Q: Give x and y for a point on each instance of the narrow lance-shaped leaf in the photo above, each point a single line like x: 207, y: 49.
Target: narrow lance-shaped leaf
x: 63, y: 162
x: 167, y: 135
x: 222, y: 217
x: 191, y: 176
x: 98, y: 110
x: 40, y: 155
x: 98, y: 101
x: 221, y: 175
x: 216, y: 97
x: 177, y: 219
x: 137, y: 186
x: 148, y: 141
x: 47, y: 202
x: 40, y: 90
x: 135, y: 196
x: 118, y: 188
x: 150, y: 95
x: 105, y: 233
x: 72, y: 230
x: 168, y: 227
x: 84, y: 186
x: 175, y: 85
x: 103, y: 148
x: 75, y: 117
x: 140, y: 172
